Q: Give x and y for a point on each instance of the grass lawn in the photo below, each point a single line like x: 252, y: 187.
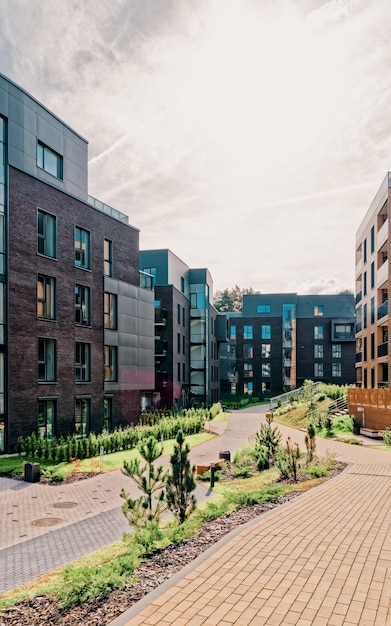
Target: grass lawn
x: 113, y: 461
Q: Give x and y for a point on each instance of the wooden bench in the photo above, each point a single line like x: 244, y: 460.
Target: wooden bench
x: 370, y: 432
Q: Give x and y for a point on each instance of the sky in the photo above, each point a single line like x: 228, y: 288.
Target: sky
x: 247, y: 136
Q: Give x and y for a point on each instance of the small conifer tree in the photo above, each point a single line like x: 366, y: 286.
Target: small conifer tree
x: 310, y: 442
x: 145, y: 511
x: 268, y: 438
x: 181, y: 482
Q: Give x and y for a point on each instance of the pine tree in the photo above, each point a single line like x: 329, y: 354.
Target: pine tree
x: 181, y: 482
x: 268, y: 438
x: 145, y: 511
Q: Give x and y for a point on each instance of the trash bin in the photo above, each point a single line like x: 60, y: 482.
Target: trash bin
x: 32, y: 472
x: 225, y: 455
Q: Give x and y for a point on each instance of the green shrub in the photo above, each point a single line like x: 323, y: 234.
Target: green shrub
x: 315, y: 471
x: 387, y: 436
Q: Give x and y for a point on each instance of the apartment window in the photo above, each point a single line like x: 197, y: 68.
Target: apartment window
x: 372, y: 310
x: 346, y: 331
x: 266, y: 332
x: 108, y: 257
x: 318, y: 332
x: 365, y: 349
x: 247, y: 332
x: 183, y: 372
x: 49, y: 160
x: 266, y: 370
x: 365, y: 283
x: 336, y: 351
x: 248, y: 370
x: 248, y: 352
x: 46, y: 414
x: 365, y: 316
x: 248, y: 388
x: 108, y: 413
x: 178, y: 314
x: 231, y: 352
x: 372, y: 239
x: 46, y: 297
x: 318, y: 369
x: 110, y: 311
x: 82, y: 417
x: 318, y: 310
x: 82, y: 362
x: 372, y: 346
x: 336, y: 370
x: 183, y: 316
x: 263, y: 308
x: 47, y: 360
x: 46, y: 234
x: 266, y: 350
x: 372, y: 275
x: 178, y: 376
x: 182, y: 284
x: 318, y: 351
x: 110, y: 363
x: 365, y: 251
x: 82, y: 248
x: 183, y: 344
x: 178, y: 343
x: 232, y: 334
x: 82, y: 305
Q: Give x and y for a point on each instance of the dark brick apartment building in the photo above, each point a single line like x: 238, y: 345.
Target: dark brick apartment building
x: 76, y: 314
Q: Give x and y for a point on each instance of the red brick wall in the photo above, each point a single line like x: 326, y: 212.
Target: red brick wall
x: 25, y: 195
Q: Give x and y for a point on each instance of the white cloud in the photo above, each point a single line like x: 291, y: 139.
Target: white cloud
x: 248, y: 137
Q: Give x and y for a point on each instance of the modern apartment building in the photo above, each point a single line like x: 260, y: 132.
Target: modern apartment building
x: 188, y: 332
x: 76, y: 326
x: 372, y: 288
x: 280, y: 340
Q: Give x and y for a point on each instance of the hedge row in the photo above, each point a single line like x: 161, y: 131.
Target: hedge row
x: 66, y: 448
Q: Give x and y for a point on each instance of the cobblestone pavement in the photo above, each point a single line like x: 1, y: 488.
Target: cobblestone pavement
x: 45, y: 527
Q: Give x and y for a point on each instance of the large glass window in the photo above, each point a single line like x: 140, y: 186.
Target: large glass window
x: 336, y: 369
x: 108, y: 413
x: 82, y: 305
x: 266, y: 350
x: 47, y: 359
x: 111, y: 363
x: 46, y: 297
x: 82, y: 417
x: 49, y: 160
x: 248, y: 388
x: 248, y: 370
x: 248, y: 352
x: 266, y: 370
x: 46, y: 234
x: 266, y: 332
x: 318, y: 369
x: 372, y: 275
x: 318, y: 351
x: 108, y: 257
x: 318, y: 310
x: 232, y: 334
x: 372, y: 239
x: 318, y: 332
x: 82, y: 248
x: 336, y: 351
x: 110, y: 311
x: 46, y: 417
x: 264, y: 308
x: 247, y: 332
x: 82, y: 362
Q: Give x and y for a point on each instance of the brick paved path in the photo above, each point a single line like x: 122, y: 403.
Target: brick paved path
x: 324, y: 558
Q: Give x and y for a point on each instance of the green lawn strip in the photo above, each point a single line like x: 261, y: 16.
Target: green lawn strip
x: 112, y: 461
x: 110, y: 568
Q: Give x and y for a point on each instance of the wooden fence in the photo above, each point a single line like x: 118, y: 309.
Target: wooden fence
x: 376, y: 404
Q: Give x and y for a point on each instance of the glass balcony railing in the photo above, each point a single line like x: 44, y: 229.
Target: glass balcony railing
x: 382, y: 349
x: 358, y: 296
x: 105, y: 208
x: 146, y: 281
x: 382, y: 310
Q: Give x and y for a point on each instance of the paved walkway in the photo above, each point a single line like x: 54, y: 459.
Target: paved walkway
x: 45, y: 527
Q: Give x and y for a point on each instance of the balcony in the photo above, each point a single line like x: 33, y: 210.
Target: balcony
x: 161, y: 347
x: 358, y: 296
x: 161, y: 380
x: 382, y: 349
x: 161, y: 317
x: 358, y: 357
x: 382, y: 310
x: 382, y: 275
x: 382, y: 235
